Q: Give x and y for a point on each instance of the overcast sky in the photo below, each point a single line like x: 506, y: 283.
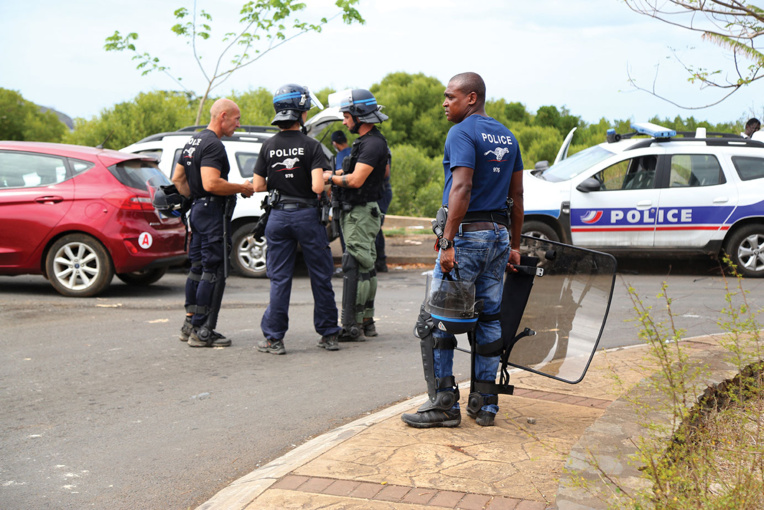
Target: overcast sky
x: 576, y: 54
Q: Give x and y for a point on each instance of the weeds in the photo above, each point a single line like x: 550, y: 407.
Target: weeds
x: 694, y: 452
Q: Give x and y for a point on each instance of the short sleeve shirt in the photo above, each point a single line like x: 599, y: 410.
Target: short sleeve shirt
x: 286, y: 161
x: 370, y: 149
x: 491, y: 150
x: 203, y: 149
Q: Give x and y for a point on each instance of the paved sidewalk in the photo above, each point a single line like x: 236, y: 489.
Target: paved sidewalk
x: 378, y: 462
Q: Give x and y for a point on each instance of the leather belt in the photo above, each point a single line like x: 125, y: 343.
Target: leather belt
x: 481, y: 225
x: 211, y: 198
x: 292, y: 206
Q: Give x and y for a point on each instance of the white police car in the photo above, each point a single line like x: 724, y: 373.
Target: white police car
x: 248, y: 254
x: 665, y: 193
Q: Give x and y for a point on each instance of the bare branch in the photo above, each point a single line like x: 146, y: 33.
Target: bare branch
x: 733, y: 25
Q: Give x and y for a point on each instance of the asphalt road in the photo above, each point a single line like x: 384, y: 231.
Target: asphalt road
x: 103, y: 407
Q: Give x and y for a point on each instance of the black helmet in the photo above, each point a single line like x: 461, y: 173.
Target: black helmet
x: 168, y: 202
x: 291, y: 100
x: 362, y: 105
x: 451, y: 303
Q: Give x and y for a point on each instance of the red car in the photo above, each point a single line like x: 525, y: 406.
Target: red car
x: 78, y: 215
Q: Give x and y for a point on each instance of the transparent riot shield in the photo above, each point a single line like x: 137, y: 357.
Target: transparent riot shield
x: 555, y: 332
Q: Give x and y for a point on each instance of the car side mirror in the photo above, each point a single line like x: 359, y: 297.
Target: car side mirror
x: 590, y: 184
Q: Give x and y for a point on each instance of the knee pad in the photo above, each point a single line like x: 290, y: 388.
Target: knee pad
x: 423, y: 331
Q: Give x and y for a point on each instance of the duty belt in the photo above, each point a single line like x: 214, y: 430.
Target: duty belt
x: 211, y: 198
x: 499, y: 217
x: 287, y: 203
x: 480, y: 225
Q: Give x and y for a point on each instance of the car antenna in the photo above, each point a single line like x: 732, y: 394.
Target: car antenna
x: 100, y: 145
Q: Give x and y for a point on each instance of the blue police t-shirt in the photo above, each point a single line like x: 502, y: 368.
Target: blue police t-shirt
x: 491, y: 150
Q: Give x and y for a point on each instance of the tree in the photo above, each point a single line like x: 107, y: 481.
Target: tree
x: 23, y: 120
x: 126, y: 123
x: 264, y: 26
x: 414, y: 103
x: 731, y: 24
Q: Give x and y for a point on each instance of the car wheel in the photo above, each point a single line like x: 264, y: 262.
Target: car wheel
x: 79, y: 266
x: 248, y: 254
x: 745, y: 249
x: 144, y: 277
x: 536, y: 230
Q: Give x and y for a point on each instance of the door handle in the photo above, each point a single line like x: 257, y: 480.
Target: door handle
x: 645, y: 203
x: 721, y: 200
x: 49, y: 199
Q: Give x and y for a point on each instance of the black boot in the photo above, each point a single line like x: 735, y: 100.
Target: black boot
x: 433, y: 418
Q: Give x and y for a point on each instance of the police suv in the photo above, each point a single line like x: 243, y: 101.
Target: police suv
x: 243, y: 147
x: 655, y: 191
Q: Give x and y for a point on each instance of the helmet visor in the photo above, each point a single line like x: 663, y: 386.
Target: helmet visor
x: 450, y: 299
x: 314, y: 100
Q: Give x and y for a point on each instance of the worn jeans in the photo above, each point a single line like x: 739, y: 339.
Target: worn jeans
x: 482, y: 258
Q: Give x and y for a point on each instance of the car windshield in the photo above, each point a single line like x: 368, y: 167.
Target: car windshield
x: 134, y: 173
x: 575, y: 164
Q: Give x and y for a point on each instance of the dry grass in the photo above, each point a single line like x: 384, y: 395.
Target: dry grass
x: 721, y: 464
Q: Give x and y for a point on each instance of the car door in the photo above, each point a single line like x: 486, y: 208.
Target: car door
x: 620, y: 211
x: 35, y: 194
x: 695, y: 200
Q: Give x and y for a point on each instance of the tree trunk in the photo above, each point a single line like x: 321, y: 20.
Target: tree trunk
x: 201, y: 104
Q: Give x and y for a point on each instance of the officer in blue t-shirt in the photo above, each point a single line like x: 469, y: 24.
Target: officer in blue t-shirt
x: 483, y: 170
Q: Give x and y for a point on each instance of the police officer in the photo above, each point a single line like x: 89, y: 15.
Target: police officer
x: 360, y: 183
x: 290, y: 167
x: 202, y: 174
x: 483, y: 171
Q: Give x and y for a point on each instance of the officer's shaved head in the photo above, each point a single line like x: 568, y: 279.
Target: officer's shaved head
x: 224, y: 117
x: 470, y: 82
x: 222, y: 105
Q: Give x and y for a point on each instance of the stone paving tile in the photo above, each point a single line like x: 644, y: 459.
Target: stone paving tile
x: 473, y: 502
x: 293, y: 500
x: 392, y: 493
x: 290, y: 482
x: 531, y: 505
x: 419, y: 496
x: 446, y: 499
x: 366, y: 490
x: 316, y: 485
x: 340, y: 487
x: 502, y: 503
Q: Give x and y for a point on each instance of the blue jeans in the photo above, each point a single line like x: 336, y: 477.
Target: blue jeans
x: 284, y: 230
x: 482, y: 258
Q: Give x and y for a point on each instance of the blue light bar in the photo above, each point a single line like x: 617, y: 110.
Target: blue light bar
x: 654, y: 130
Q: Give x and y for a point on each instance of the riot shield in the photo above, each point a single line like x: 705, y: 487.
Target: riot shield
x: 560, y: 324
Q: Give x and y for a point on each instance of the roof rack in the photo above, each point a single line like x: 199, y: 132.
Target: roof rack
x: 247, y: 129
x: 248, y: 132
x: 728, y: 141
x: 660, y: 134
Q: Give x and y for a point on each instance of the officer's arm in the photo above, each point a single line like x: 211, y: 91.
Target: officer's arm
x: 317, y: 180
x: 180, y: 181
x: 516, y: 219
x: 458, y: 202
x: 259, y: 183
x: 213, y: 183
x: 518, y: 209
x: 355, y: 179
x: 458, y: 199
